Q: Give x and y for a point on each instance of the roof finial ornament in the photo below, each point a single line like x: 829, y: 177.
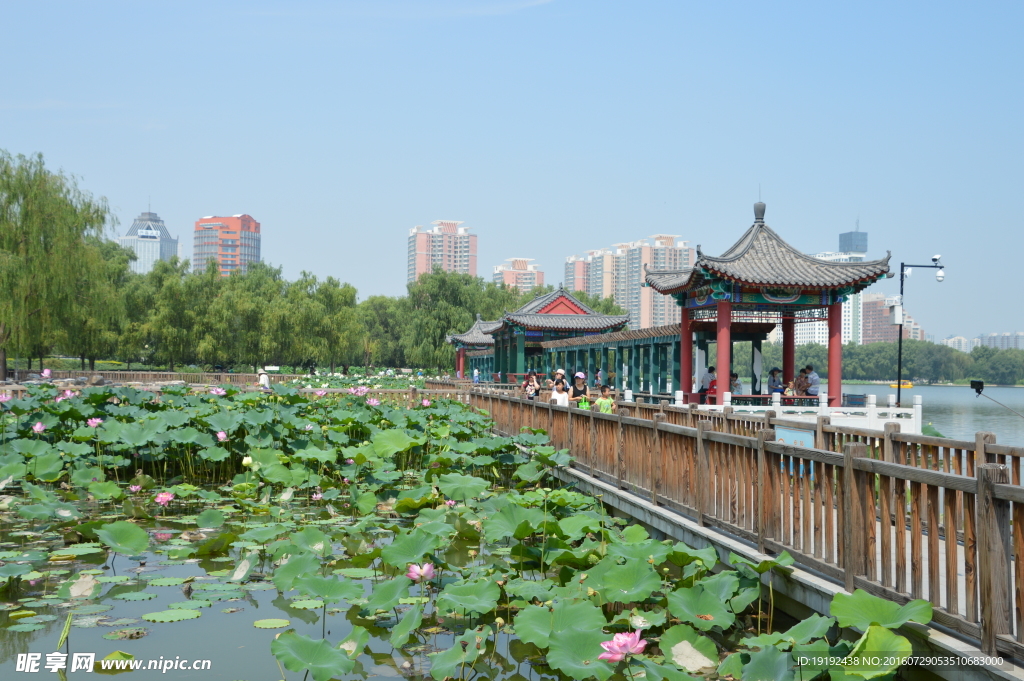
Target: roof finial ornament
x: 759, y: 212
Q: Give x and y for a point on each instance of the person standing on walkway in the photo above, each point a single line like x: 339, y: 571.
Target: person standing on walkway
x: 605, y: 403
x: 531, y: 387
x: 559, y: 378
x: 578, y: 392
x: 705, y: 383
x: 813, y: 381
x: 263, y: 379
x: 735, y: 385
x: 476, y: 375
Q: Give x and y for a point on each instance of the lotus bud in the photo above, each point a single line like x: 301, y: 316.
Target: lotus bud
x: 591, y: 592
x: 247, y: 461
x: 499, y: 621
x: 583, y: 577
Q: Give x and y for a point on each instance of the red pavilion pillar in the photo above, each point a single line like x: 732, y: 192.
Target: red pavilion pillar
x: 460, y: 363
x: 835, y: 355
x: 686, y: 355
x: 788, y: 350
x: 724, y: 362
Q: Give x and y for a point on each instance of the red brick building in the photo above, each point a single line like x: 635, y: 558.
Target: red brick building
x: 233, y: 242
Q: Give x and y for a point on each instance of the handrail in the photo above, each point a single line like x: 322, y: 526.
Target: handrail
x: 901, y: 516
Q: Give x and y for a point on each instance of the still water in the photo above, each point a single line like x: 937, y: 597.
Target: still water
x: 957, y: 412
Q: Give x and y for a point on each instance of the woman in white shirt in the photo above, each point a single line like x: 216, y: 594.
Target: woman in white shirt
x: 263, y: 380
x: 559, y: 395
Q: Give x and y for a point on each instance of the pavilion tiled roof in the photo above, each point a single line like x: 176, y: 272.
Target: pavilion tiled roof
x: 540, y: 302
x: 574, y: 322
x: 762, y: 258
x: 478, y: 334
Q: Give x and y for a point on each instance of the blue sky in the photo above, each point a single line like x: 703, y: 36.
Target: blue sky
x: 549, y: 127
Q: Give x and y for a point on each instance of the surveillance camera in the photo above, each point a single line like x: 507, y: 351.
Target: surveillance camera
x: 936, y: 258
x: 940, y: 275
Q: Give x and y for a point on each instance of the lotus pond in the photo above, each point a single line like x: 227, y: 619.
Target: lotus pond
x: 287, y: 535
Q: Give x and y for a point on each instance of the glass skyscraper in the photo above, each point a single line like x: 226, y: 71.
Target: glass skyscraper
x: 149, y: 239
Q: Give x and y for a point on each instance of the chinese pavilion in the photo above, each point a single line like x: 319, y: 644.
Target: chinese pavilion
x: 477, y: 344
x: 757, y: 284
x: 517, y: 336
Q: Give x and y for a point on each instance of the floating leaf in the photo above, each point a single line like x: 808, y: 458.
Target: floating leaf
x: 409, y: 623
x: 194, y: 604
x: 25, y: 627
x: 700, y: 608
x: 769, y: 664
x: 171, y: 615
x: 307, y: 604
x: 127, y: 634
x: 166, y: 581
x: 465, y: 649
x: 684, y: 646
x: 211, y: 517
x: 124, y: 537
x: 135, y: 596
x: 271, y: 624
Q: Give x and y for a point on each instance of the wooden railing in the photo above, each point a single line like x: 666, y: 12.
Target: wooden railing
x: 897, y: 515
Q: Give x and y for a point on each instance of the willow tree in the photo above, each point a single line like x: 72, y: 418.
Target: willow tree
x: 45, y: 220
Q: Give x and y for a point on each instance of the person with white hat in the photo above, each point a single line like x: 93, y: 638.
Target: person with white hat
x: 263, y: 379
x: 559, y: 378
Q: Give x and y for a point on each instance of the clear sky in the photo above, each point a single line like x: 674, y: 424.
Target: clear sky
x: 550, y: 127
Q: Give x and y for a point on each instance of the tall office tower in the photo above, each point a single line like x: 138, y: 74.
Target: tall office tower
x: 448, y: 246
x: 618, y: 272
x: 518, y: 272
x: 149, y: 239
x: 853, y: 308
x: 233, y: 242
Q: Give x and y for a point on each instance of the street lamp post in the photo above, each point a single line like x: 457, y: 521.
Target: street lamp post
x: 939, y: 276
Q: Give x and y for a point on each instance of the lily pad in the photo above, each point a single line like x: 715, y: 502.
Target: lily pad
x: 271, y: 624
x: 194, y: 604
x: 307, y: 604
x: 166, y: 581
x: 135, y: 596
x: 127, y: 634
x: 25, y: 627
x: 171, y: 615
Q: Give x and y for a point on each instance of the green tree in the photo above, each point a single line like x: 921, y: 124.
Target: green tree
x: 45, y: 221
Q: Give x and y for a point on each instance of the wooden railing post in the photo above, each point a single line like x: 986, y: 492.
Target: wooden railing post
x: 857, y: 499
x: 993, y: 556
x: 551, y: 419
x: 593, y: 439
x: 726, y: 422
x: 569, y: 426
x: 980, y: 454
x: 704, y: 483
x: 412, y: 397
x: 763, y: 517
x: 620, y: 450
x: 820, y: 437
x: 888, y: 446
x: 657, y: 455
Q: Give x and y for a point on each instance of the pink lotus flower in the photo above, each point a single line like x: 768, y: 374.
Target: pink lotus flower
x: 46, y: 373
x: 426, y: 402
x: 451, y: 503
x: 70, y: 393
x: 350, y: 461
x: 39, y: 427
x: 221, y: 436
x: 94, y: 423
x: 134, y: 488
x: 5, y: 397
x: 163, y: 536
x: 320, y: 393
x: 309, y: 426
x: 316, y: 496
x: 420, y: 572
x: 622, y: 645
x: 60, y: 398
x: 219, y: 392
x: 164, y: 498
x: 346, y: 480
x: 373, y: 402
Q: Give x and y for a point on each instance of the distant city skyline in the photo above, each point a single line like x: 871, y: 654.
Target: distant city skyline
x: 548, y: 126
x: 150, y: 240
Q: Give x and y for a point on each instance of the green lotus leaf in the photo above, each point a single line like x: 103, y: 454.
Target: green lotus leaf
x: 657, y: 672
x: 723, y: 585
x: 262, y: 535
x: 465, y: 649
x: 135, y: 596
x: 462, y: 487
x: 14, y: 570
x: 302, y: 564
x: 409, y: 623
x: 409, y: 548
x: 784, y: 560
x: 176, y: 615
x: 478, y: 596
x: 48, y: 467
x: 574, y: 652
x: 124, y: 537
x: 813, y: 627
x: 330, y: 589
x: 79, y: 550
x: 312, y: 540
x: 861, y: 610
x: 211, y: 517
x: 113, y: 579
x: 539, y: 624
x: 633, y: 581
x: 513, y: 521
x: 244, y: 568
x: 390, y: 442
x: 682, y: 555
x: 808, y: 658
x: 878, y: 641
x: 83, y: 585
x: 700, y: 608
x: 386, y: 595
x: 166, y: 581
x: 355, y: 573
x: 25, y: 627
x: 300, y: 653
x: 769, y: 664
x: 354, y: 644
x: 105, y: 490
x: 307, y: 604
x: 685, y: 647
x: 214, y: 454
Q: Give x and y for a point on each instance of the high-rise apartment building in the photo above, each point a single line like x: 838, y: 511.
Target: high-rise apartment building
x: 1002, y: 341
x: 518, y: 272
x: 618, y: 272
x: 878, y: 326
x: 448, y: 246
x: 233, y: 242
x: 957, y: 343
x: 149, y: 239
